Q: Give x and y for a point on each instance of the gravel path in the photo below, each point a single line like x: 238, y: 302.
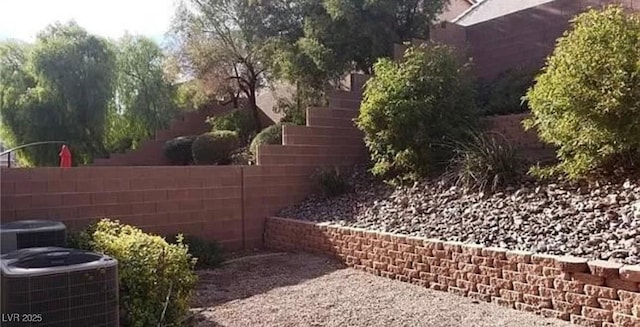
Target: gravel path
x: 304, y: 290
x: 595, y: 221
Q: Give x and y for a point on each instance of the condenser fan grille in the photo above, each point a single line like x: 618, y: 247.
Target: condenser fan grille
x: 72, y: 297
x: 24, y: 234
x: 51, y: 238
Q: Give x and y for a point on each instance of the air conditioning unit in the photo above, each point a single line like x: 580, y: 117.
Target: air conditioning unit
x: 22, y: 234
x: 58, y: 287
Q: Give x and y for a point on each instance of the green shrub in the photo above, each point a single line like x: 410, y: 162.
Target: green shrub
x: 487, y: 161
x: 504, y: 94
x: 191, y: 96
x: 269, y: 135
x: 295, y: 107
x: 149, y: 270
x: 332, y: 182
x: 240, y: 121
x: 242, y: 157
x: 178, y: 150
x: 81, y: 239
x: 410, y: 109
x: 587, y: 100
x: 215, y: 148
x: 208, y: 254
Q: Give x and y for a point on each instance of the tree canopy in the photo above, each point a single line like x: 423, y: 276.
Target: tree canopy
x: 219, y: 41
x: 59, y: 90
x: 144, y: 101
x: 78, y: 88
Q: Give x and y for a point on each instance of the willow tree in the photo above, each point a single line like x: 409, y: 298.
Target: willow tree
x: 58, y: 89
x: 144, y: 99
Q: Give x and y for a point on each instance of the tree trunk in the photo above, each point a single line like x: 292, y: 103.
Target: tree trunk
x: 254, y: 109
x: 234, y: 99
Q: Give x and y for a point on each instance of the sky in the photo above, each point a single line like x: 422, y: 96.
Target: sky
x: 23, y: 19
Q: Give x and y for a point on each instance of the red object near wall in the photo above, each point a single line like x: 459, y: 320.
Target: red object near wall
x: 65, y: 156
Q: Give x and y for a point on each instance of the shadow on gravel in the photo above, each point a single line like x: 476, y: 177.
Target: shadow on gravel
x: 366, y: 191
x: 198, y: 318
x: 250, y: 277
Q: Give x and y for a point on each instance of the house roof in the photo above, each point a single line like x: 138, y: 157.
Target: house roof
x: 486, y: 10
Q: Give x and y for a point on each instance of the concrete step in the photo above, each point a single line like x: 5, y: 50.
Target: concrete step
x: 345, y: 103
x: 310, y: 150
x: 324, y: 136
x: 357, y: 82
x: 326, y: 117
x: 344, y: 113
x: 345, y: 95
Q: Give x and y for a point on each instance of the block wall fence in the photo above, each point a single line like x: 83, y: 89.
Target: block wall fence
x: 227, y: 204
x: 150, y: 153
x: 588, y: 293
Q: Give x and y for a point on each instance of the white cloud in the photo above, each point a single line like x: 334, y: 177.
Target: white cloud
x: 23, y: 19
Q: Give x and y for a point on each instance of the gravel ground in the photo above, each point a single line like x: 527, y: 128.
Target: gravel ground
x: 599, y: 221
x: 304, y: 290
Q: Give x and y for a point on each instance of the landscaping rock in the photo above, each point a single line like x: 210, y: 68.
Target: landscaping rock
x: 594, y: 222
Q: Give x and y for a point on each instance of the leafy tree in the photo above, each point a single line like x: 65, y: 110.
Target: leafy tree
x: 79, y: 68
x: 219, y: 42
x: 59, y: 89
x: 239, y: 120
x: 145, y: 100
x: 355, y: 33
x: 587, y: 100
x: 13, y: 69
x: 15, y: 80
x: 413, y: 109
x: 301, y: 63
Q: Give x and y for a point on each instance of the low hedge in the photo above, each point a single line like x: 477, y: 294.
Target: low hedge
x: 269, y: 135
x: 178, y: 150
x: 215, y: 148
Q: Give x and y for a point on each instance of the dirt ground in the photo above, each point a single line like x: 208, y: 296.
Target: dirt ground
x: 305, y: 290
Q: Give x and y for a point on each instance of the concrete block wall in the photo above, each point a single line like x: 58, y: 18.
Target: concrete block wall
x: 587, y: 293
x: 510, y: 126
x: 226, y: 203
x: 201, y: 201
x: 451, y: 34
x: 527, y: 142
